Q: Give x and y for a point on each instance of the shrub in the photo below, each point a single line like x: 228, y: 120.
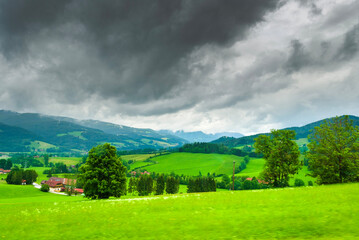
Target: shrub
x: 45, y: 188
x: 298, y: 182
x: 310, y: 183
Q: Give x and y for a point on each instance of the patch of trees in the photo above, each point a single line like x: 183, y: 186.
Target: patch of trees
x: 26, y: 160
x: 281, y: 154
x: 17, y: 175
x: 5, y: 164
x: 241, y: 183
x: 58, y: 168
x: 147, y: 184
x: 204, y: 148
x: 218, y: 148
x: 334, y: 151
x: 201, y: 184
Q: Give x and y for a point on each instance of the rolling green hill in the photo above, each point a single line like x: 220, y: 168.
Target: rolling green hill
x: 14, y: 139
x: 302, y: 132
x: 193, y: 163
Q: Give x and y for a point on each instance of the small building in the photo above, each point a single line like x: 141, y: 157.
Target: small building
x: 59, y: 183
x: 259, y: 180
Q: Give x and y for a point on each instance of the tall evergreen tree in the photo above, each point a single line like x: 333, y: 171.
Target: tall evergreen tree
x: 172, y: 185
x: 160, y: 186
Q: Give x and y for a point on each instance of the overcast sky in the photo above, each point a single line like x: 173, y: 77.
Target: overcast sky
x: 246, y: 66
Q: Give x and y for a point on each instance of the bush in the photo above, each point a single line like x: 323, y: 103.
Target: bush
x: 298, y: 182
x: 310, y: 183
x: 45, y: 188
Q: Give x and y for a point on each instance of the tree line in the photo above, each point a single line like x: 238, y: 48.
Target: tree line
x: 332, y: 157
x: 17, y: 175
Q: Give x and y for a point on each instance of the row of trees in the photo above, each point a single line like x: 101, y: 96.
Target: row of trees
x: 145, y: 185
x: 16, y: 176
x: 201, y: 184
x: 333, y: 155
x: 201, y: 147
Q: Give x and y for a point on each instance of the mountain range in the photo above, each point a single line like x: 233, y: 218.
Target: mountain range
x: 36, y: 132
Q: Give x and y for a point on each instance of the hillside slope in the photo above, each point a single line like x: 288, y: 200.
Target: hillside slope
x: 302, y: 132
x: 68, y: 136
x: 15, y: 139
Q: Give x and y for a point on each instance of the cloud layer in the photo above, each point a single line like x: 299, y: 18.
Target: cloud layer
x: 243, y: 66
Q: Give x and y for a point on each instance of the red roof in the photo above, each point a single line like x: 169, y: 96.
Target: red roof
x: 260, y: 181
x: 79, y: 190
x: 58, y: 182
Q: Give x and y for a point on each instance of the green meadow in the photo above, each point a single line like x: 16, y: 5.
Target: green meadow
x: 193, y: 163
x: 321, y: 212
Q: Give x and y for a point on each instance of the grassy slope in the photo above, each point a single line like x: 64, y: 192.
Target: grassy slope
x: 325, y: 212
x: 16, y: 194
x: 137, y: 157
x: 192, y: 163
x: 255, y: 167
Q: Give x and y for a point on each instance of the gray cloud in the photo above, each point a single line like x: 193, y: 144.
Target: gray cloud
x: 129, y: 50
x: 180, y: 64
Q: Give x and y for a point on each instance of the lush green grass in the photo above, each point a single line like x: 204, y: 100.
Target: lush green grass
x: 41, y: 145
x: 40, y: 174
x: 254, y: 168
x: 325, y: 212
x: 139, y: 164
x: 137, y: 157
x: 15, y: 194
x: 192, y: 163
x: 66, y: 160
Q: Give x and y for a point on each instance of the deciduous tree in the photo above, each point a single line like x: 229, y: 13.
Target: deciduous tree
x: 103, y: 173
x: 334, y: 151
x: 281, y: 154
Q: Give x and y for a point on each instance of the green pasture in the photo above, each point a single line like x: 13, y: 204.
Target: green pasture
x: 139, y: 164
x: 255, y: 167
x: 137, y: 157
x: 192, y: 163
x: 12, y: 195
x: 66, y: 160
x: 321, y: 212
x: 41, y: 145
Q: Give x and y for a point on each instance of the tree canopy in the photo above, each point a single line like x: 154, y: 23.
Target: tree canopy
x: 281, y: 155
x: 334, y: 151
x: 103, y: 173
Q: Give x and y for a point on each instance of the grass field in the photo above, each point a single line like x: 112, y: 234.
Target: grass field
x: 27, y: 194
x: 41, y: 145
x: 66, y: 160
x: 255, y: 167
x: 137, y: 157
x: 192, y: 163
x: 324, y: 212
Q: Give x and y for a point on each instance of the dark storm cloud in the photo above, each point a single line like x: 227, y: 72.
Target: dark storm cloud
x: 135, y: 51
x: 350, y: 45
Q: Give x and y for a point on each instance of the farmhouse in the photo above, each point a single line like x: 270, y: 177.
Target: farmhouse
x: 2, y: 171
x: 58, y: 183
x: 259, y: 181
